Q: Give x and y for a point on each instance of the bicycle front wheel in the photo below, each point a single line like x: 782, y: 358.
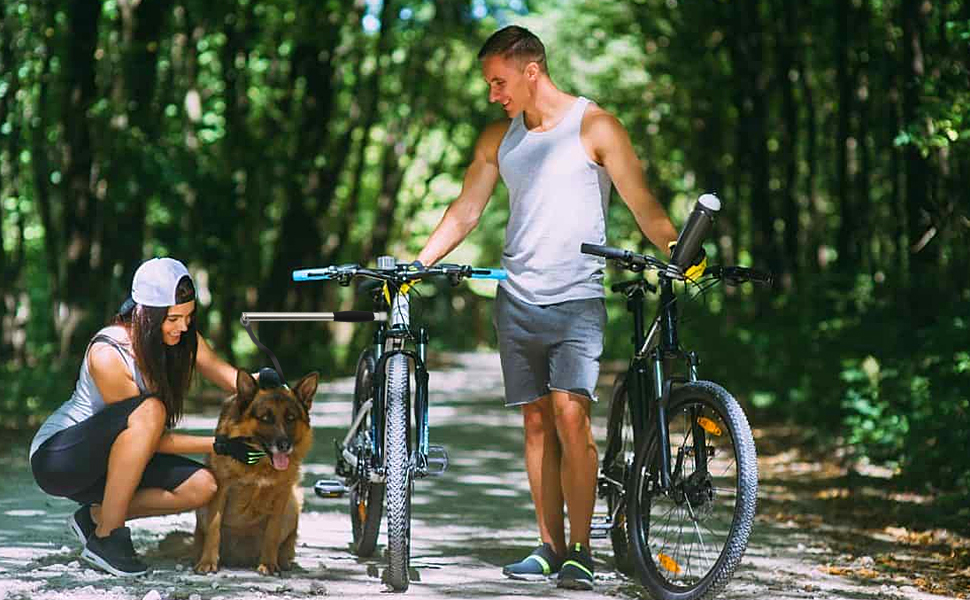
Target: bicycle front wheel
x: 399, y: 483
x: 366, y: 497
x: 688, y: 540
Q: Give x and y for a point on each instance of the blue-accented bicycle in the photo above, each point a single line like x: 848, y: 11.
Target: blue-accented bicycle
x: 384, y: 450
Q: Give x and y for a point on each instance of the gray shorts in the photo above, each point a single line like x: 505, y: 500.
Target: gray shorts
x: 552, y: 347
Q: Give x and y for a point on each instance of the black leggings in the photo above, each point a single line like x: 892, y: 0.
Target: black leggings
x: 73, y: 463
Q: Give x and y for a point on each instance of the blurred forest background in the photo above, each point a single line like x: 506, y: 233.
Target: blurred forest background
x: 252, y: 137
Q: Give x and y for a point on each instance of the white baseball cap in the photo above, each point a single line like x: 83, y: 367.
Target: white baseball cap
x: 155, y: 282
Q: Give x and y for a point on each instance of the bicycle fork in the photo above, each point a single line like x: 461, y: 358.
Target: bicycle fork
x: 663, y: 386
x: 426, y: 459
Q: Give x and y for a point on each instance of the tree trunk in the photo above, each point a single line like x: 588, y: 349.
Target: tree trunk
x: 763, y: 247
x: 312, y: 187
x: 81, y: 208
x: 844, y: 239
x: 862, y: 239
x: 370, y: 94
x: 813, y: 237
x: 919, y: 225
x: 137, y: 175
x: 787, y: 60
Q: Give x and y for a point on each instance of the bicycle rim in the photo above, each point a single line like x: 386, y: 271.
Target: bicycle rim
x: 689, y: 540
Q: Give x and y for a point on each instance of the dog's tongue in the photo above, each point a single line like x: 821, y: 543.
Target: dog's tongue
x: 280, y: 461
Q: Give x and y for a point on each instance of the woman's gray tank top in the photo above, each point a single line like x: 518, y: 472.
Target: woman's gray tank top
x: 86, y: 400
x: 558, y: 199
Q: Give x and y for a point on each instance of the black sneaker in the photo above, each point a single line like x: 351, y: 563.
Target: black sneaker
x: 114, y: 554
x: 577, y: 569
x: 82, y: 524
x: 539, y: 565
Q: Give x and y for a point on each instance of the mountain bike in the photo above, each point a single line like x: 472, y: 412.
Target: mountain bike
x: 384, y: 451
x: 679, y: 472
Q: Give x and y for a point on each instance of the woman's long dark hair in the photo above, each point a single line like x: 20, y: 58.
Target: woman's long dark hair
x: 167, y: 370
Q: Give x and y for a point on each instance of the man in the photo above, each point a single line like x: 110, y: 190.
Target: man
x: 558, y: 155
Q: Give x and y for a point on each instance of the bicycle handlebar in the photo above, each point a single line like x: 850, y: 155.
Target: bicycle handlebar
x: 634, y: 261
x: 402, y: 272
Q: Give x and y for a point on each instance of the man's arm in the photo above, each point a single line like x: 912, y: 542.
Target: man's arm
x: 462, y: 214
x: 609, y: 144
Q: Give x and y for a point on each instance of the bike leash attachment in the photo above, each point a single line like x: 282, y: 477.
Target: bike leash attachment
x: 344, y: 316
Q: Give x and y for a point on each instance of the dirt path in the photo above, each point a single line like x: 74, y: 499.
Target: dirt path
x: 479, y: 516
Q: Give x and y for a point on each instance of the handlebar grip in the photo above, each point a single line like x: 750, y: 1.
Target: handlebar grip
x: 311, y: 275
x: 604, y: 251
x: 734, y: 275
x: 489, y: 274
x: 760, y: 276
x: 353, y: 316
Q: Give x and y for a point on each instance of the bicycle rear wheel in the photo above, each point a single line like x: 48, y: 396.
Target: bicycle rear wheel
x: 366, y: 497
x: 687, y: 542
x: 617, y: 462
x: 399, y: 482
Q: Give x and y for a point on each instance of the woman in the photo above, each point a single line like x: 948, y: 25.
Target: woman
x: 110, y: 447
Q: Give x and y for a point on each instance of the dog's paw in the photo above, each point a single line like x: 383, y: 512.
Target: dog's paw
x: 268, y: 569
x: 286, y: 565
x: 205, y: 566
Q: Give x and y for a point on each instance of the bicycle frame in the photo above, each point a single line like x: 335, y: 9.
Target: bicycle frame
x: 390, y: 339
x: 646, y: 371
x: 387, y: 342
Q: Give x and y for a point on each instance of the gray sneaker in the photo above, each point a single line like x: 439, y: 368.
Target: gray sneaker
x: 539, y: 565
x: 577, y: 569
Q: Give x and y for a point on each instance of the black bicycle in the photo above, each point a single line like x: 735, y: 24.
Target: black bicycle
x: 679, y: 473
x: 384, y: 450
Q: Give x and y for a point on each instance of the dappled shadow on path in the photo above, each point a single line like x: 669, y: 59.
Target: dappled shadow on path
x: 807, y: 541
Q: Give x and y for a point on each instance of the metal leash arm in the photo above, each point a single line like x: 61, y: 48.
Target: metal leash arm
x: 346, y: 316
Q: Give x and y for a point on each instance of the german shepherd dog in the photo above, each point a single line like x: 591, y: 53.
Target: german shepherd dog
x: 252, y: 519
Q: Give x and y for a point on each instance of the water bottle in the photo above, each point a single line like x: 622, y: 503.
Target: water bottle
x: 695, y: 231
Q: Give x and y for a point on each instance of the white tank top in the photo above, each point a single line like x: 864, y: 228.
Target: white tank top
x: 558, y: 199
x: 86, y: 401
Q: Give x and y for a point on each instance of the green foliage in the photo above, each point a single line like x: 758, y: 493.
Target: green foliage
x: 250, y: 138
x: 846, y: 366
x: 30, y: 394
x: 911, y: 406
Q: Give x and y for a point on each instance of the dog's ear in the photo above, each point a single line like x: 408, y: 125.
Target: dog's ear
x: 306, y: 388
x: 246, y: 388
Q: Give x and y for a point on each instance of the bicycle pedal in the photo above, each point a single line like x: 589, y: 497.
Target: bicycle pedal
x: 601, y: 526
x: 437, y: 460
x: 329, y: 488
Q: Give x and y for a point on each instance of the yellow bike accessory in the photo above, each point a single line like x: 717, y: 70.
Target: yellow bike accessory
x: 709, y: 425
x: 696, y: 270
x: 668, y: 563
x: 402, y: 290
